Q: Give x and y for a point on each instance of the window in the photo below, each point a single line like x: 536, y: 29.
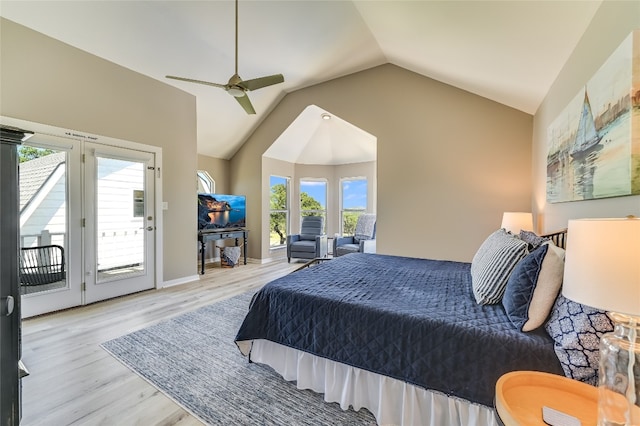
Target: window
x: 313, y: 198
x: 138, y: 203
x: 206, y: 184
x: 279, y: 211
x: 353, y: 192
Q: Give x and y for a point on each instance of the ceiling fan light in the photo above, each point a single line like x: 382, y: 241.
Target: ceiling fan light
x: 236, y: 92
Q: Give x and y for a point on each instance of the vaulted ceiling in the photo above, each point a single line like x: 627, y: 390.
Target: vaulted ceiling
x: 507, y: 51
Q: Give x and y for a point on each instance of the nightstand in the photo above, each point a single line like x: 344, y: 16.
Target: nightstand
x: 520, y: 396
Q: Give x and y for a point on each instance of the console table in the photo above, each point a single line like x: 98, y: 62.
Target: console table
x: 206, y: 235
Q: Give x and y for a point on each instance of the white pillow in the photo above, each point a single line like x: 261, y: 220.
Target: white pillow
x: 492, y: 265
x: 547, y: 287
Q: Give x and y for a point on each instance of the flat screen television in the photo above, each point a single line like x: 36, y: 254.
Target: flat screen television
x: 221, y: 211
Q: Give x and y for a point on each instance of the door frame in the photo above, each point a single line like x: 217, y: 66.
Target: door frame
x: 45, y: 130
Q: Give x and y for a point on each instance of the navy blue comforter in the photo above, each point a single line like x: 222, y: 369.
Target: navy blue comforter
x: 411, y: 319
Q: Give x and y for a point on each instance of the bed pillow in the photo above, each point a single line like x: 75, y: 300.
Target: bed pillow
x: 493, y: 263
x: 533, y: 239
x: 521, y: 285
x: 547, y: 287
x: 533, y: 287
x: 576, y: 330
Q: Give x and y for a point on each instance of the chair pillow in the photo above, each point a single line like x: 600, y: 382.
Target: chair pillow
x: 576, y: 330
x: 492, y: 265
x: 533, y: 287
x: 365, y: 228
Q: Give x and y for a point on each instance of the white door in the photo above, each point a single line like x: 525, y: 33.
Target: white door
x: 119, y: 221
x: 50, y: 217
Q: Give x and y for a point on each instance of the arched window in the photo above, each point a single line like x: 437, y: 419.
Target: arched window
x: 206, y: 184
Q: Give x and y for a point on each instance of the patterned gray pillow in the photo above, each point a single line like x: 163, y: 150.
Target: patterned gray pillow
x: 492, y: 265
x: 576, y: 330
x: 534, y: 240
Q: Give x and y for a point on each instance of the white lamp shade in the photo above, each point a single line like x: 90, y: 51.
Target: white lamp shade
x: 515, y: 222
x: 602, y: 264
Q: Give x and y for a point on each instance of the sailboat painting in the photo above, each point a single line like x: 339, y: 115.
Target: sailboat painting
x: 587, y: 136
x: 594, y: 143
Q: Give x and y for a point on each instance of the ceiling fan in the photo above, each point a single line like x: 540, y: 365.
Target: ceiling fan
x: 237, y: 87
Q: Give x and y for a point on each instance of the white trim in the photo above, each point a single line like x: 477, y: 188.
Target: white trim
x: 266, y: 260
x: 159, y: 222
x: 180, y: 281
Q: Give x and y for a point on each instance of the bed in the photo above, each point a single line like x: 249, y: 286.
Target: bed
x: 403, y: 337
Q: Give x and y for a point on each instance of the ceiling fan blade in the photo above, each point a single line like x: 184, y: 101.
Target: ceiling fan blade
x: 190, y: 80
x: 246, y: 104
x: 258, y: 83
x: 236, y: 87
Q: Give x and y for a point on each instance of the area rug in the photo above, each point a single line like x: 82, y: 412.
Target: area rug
x: 193, y: 359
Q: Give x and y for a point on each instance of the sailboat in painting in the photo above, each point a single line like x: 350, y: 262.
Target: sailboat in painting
x: 587, y: 136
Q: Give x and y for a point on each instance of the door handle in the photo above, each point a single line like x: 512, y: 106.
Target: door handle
x: 149, y: 228
x: 9, y: 305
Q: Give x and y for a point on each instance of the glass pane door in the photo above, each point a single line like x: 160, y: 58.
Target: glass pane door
x: 120, y: 221
x: 50, y: 267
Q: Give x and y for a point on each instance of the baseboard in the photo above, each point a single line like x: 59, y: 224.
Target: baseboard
x: 271, y: 259
x: 249, y: 260
x: 179, y: 281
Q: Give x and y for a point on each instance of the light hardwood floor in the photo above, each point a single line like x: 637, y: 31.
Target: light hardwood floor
x: 73, y: 381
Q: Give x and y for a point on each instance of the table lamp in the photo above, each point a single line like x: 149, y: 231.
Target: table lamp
x: 514, y: 222
x: 602, y: 270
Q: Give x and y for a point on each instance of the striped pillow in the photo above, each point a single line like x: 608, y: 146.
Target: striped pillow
x: 492, y: 265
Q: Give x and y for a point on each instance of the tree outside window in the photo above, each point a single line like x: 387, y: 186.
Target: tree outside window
x: 28, y: 153
x: 353, y: 193
x: 279, y: 211
x: 313, y: 198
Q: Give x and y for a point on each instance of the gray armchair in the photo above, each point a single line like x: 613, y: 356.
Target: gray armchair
x: 363, y: 240
x: 311, y: 242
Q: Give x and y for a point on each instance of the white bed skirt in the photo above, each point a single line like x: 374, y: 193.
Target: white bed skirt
x: 392, y: 401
